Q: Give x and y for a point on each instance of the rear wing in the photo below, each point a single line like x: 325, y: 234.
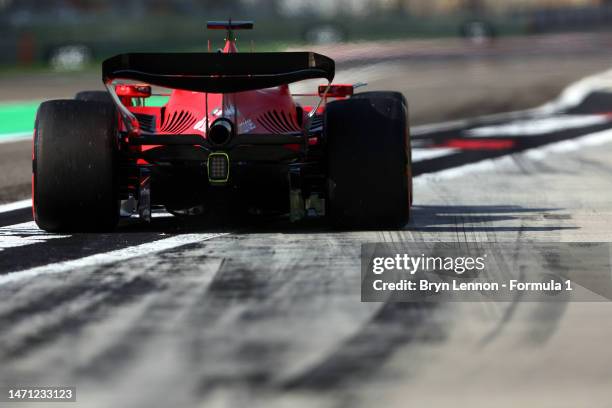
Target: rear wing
x: 229, y: 25
x: 219, y: 72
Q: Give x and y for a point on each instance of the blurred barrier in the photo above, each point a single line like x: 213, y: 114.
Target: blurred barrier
x: 47, y: 33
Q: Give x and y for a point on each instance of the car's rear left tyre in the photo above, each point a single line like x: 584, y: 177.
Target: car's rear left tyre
x: 369, y: 166
x: 75, y: 181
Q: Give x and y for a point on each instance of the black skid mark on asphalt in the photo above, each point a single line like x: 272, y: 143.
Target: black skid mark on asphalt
x: 519, y: 228
x: 557, y: 217
x: 239, y: 283
x: 259, y: 358
x: 43, y: 301
x: 115, y: 294
x: 546, y: 316
x: 544, y: 322
x: 395, y: 326
x: 450, y: 218
x: 243, y: 289
x: 509, y: 313
x: 232, y: 284
x: 168, y: 269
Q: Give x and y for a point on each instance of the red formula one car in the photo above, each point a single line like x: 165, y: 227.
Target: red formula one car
x: 230, y: 133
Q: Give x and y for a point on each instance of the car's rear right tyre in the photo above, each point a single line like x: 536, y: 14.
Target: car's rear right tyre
x: 369, y: 166
x: 75, y: 186
x: 400, y: 98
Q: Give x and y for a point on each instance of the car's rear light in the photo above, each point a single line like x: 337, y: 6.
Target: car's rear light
x: 336, y: 91
x: 218, y: 167
x: 133, y: 91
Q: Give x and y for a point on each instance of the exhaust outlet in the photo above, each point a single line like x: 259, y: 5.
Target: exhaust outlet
x: 221, y: 132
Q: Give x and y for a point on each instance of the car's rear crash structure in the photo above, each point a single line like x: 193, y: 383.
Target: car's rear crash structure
x: 230, y: 134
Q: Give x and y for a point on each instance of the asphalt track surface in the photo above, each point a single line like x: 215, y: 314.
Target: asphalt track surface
x: 214, y: 313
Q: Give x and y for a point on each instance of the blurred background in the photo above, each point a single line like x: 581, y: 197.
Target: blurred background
x: 69, y: 34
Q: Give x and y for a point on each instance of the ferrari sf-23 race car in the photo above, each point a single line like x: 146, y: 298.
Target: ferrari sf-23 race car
x: 229, y: 134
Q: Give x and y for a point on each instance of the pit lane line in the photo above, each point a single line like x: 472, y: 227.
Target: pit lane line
x: 17, y: 205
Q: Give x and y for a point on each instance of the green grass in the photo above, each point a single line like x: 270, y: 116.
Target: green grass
x: 17, y: 118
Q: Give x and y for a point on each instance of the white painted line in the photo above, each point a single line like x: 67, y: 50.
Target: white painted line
x: 17, y: 205
x: 420, y: 154
x: 537, y: 153
x: 15, y: 137
x: 27, y: 233
x: 108, y: 257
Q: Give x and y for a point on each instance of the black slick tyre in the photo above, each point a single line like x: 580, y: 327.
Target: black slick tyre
x: 75, y: 186
x: 369, y: 162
